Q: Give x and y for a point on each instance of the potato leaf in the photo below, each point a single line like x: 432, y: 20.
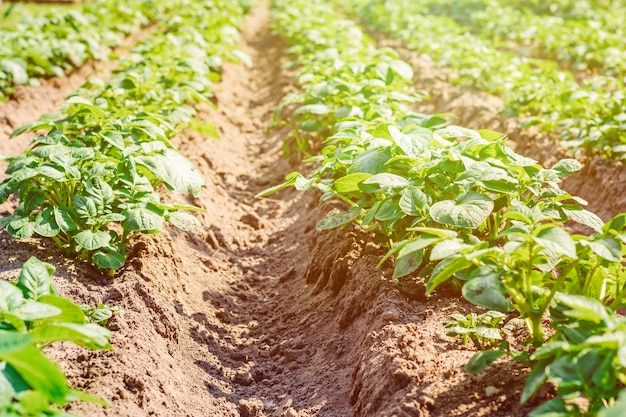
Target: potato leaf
x: 35, y: 279
x: 469, y: 210
x: 92, y: 240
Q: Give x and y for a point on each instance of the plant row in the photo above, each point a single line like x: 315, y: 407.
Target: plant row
x: 609, y: 13
x: 588, y: 116
x: 52, y: 43
x: 457, y: 207
x: 33, y: 316
x: 581, y: 44
x: 93, y: 180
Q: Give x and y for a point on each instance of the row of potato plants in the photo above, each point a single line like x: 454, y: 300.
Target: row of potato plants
x: 94, y: 174
x: 588, y: 116
x: 54, y: 42
x: 93, y: 180
x: 609, y: 13
x: 32, y: 316
x: 457, y: 207
x: 582, y: 44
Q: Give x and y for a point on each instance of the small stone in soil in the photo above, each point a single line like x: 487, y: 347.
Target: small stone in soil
x: 251, y: 408
x: 243, y: 377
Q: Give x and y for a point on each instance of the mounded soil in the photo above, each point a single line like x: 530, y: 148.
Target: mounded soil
x: 260, y: 314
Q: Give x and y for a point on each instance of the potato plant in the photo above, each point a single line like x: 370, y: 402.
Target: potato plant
x: 588, y: 116
x: 55, y: 42
x: 452, y: 205
x: 93, y: 181
x: 32, y: 316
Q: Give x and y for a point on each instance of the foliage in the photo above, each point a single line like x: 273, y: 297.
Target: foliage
x: 585, y: 359
x: 32, y: 316
x: 55, y: 42
x: 91, y: 183
x: 484, y: 330
x: 451, y: 204
x: 588, y: 116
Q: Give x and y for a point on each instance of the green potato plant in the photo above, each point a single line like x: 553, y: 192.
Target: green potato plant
x: 93, y: 182
x: 32, y: 316
x: 452, y: 205
x: 588, y: 116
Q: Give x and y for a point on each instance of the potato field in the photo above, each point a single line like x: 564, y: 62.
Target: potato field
x: 313, y: 208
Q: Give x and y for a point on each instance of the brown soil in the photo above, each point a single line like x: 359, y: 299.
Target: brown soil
x: 260, y: 314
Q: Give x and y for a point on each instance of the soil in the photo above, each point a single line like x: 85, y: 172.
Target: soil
x: 261, y: 315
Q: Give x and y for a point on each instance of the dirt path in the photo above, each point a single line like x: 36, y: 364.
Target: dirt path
x: 261, y: 315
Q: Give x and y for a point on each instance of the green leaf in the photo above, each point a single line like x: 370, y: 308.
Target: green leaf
x: 387, y: 181
x: 185, y: 221
x: 413, y: 201
x: 21, y: 228
x: 35, y: 279
x: 535, y: 380
x: 142, y: 218
x: 175, y: 170
x: 445, y: 270
x: 39, y: 372
x: 204, y: 128
x: 12, y: 341
x: 469, y: 210
x: 418, y: 243
x: 411, y: 145
x: 482, y: 360
x: 388, y: 211
x: 17, y: 69
x: 45, y: 224
x: 583, y: 308
x: 565, y: 167
x: 92, y: 240
x: 68, y: 311
x: 10, y: 297
x: 371, y: 161
x: 338, y: 219
x: 350, y: 182
x: 618, y: 409
x: 490, y: 135
x: 109, y: 259
x: 91, y: 336
x: 584, y: 217
x: 313, y: 109
x: 555, y: 407
x: 64, y: 220
x: 487, y: 291
x: 447, y: 248
x: 557, y: 240
x: 607, y: 248
x: 401, y: 68
x: 34, y: 310
x: 86, y: 207
x: 407, y: 264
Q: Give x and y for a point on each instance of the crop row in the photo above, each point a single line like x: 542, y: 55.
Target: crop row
x: 91, y: 183
x: 33, y: 316
x: 457, y: 207
x: 609, y: 13
x: 582, y: 44
x: 52, y: 43
x: 589, y: 116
